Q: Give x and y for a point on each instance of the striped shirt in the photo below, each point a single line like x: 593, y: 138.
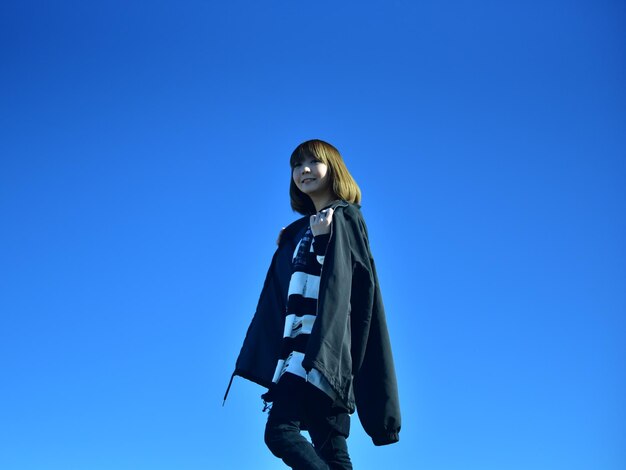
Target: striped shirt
x: 307, y: 261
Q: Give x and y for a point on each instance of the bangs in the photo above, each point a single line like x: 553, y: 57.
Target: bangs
x: 305, y: 150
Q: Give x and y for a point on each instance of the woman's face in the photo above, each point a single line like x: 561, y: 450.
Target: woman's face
x: 311, y: 176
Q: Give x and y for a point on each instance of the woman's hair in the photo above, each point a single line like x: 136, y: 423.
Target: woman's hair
x: 344, y: 186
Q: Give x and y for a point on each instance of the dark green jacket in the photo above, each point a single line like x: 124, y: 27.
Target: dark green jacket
x: 349, y: 343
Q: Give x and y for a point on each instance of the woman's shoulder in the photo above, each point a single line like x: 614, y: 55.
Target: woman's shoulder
x: 294, y: 227
x: 351, y: 219
x: 351, y: 211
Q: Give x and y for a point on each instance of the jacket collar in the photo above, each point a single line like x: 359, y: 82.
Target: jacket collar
x: 336, y: 203
x: 293, y: 228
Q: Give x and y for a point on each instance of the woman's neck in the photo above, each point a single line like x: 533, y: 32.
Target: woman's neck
x: 320, y: 202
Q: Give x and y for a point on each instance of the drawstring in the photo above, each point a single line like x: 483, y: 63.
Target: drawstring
x: 228, y: 389
x: 266, y: 405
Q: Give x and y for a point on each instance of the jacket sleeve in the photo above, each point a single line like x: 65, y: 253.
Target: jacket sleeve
x: 375, y: 384
x: 261, y: 346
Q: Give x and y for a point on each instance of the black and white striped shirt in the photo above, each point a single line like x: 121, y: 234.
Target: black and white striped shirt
x: 307, y: 262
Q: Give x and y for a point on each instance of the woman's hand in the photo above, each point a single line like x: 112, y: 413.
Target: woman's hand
x: 320, y: 222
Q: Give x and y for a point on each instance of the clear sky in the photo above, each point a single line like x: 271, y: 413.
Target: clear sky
x: 144, y: 150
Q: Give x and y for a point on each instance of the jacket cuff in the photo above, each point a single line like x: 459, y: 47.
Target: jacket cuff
x: 386, y: 439
x: 320, y: 242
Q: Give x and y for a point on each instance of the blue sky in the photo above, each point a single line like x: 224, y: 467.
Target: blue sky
x: 144, y: 178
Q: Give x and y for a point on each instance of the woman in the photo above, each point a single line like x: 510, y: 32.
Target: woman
x: 318, y: 340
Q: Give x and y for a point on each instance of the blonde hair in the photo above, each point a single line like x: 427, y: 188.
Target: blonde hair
x: 344, y: 186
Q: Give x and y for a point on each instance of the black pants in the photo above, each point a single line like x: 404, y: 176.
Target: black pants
x: 298, y: 406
